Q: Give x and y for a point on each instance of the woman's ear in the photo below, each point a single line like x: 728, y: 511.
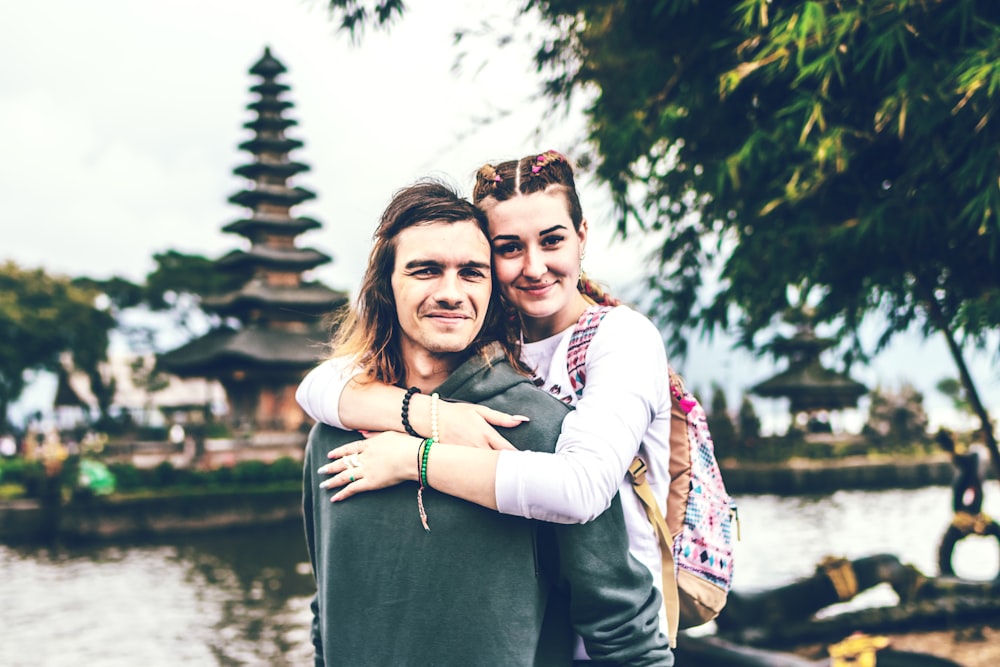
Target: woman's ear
x: 582, y: 235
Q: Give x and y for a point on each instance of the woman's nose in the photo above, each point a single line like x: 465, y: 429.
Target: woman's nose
x: 534, y: 264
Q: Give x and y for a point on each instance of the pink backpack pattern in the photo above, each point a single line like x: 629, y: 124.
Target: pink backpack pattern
x: 696, y: 535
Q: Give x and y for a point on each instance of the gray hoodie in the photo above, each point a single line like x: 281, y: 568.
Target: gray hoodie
x: 481, y: 588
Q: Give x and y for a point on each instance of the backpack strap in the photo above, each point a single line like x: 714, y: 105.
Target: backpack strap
x: 671, y: 600
x: 579, y: 342
x: 576, y: 365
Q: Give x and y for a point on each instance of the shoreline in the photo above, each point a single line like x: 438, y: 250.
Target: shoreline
x: 96, y: 519
x: 818, y: 476
x: 116, y: 517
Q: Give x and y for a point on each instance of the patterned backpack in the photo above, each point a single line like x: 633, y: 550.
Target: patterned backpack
x: 696, y: 536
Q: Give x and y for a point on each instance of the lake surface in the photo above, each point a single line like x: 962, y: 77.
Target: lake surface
x: 242, y: 598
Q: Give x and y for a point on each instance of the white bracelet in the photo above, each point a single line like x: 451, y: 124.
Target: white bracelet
x: 434, y: 418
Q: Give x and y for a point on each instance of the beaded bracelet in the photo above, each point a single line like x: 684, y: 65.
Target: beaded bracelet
x: 405, y: 414
x: 434, y: 418
x: 423, y: 461
x: 423, y: 451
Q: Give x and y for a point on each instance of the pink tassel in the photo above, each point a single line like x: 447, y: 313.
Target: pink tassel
x: 420, y: 508
x: 687, y: 405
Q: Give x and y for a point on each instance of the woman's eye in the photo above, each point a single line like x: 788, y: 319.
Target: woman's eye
x: 552, y: 240
x: 506, y: 249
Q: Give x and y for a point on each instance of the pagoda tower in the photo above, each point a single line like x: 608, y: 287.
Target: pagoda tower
x: 810, y: 387
x: 273, y: 332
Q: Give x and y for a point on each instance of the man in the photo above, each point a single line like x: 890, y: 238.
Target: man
x: 479, y: 587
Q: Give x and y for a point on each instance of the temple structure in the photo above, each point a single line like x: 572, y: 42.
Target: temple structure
x: 272, y: 330
x: 812, y: 390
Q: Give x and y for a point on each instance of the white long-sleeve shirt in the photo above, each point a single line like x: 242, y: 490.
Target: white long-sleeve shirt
x: 624, y: 411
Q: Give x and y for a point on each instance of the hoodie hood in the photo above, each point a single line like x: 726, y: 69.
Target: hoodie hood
x: 477, y: 380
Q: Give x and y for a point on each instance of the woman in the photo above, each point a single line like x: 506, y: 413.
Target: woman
x: 538, y: 236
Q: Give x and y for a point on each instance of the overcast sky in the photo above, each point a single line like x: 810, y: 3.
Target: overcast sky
x: 120, y: 124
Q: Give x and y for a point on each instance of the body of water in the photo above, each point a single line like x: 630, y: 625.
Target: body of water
x: 242, y: 597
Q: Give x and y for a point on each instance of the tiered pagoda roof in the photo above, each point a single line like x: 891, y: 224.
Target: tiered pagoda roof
x: 279, y: 312
x: 234, y: 350
x: 806, y: 383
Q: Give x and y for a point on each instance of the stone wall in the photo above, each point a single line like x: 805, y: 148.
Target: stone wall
x: 114, y: 518
x: 802, y: 477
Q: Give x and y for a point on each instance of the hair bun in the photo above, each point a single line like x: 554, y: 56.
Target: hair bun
x: 547, y: 158
x: 489, y: 173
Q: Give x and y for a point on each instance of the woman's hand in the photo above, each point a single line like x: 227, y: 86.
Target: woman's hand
x: 380, y: 461
x: 473, y: 425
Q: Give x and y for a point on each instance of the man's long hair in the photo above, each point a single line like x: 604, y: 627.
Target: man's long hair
x: 370, y: 331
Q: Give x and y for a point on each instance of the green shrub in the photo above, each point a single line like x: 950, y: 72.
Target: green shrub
x: 286, y: 469
x: 152, y: 433
x: 30, y: 475
x: 164, y: 474
x: 130, y: 479
x: 193, y: 478
x: 251, y: 472
x: 15, y: 470
x: 221, y: 476
x: 216, y: 429
x: 127, y: 476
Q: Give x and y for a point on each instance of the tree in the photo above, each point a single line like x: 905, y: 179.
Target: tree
x: 953, y: 389
x: 41, y: 317
x: 720, y: 424
x: 177, y: 286
x: 897, y: 418
x: 178, y: 274
x: 840, y: 148
x: 748, y: 424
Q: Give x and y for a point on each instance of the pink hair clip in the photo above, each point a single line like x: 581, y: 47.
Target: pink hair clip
x: 490, y: 173
x: 544, y: 159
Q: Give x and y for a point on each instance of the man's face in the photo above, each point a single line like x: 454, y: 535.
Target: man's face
x: 442, y: 286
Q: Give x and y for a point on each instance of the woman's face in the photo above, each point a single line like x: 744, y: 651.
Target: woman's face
x: 536, y: 260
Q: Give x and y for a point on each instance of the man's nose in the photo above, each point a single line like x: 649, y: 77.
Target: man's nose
x: 449, y: 289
